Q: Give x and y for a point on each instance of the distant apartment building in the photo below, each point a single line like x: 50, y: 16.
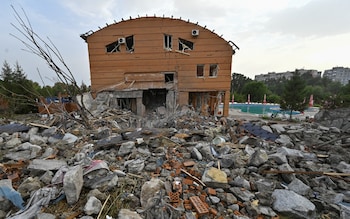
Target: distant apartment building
x: 339, y: 74
x: 285, y: 75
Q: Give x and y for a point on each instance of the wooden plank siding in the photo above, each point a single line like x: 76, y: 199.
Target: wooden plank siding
x: 150, y: 59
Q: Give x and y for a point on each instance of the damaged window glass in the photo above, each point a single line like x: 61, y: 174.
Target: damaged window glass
x: 167, y: 42
x: 130, y: 43
x: 113, y: 47
x: 200, y: 70
x: 185, y: 45
x: 213, y: 71
x: 169, y: 77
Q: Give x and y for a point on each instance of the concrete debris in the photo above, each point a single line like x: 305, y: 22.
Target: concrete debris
x: 174, y: 165
x: 92, y: 206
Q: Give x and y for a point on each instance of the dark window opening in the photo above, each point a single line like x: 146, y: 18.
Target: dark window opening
x: 213, y: 71
x: 203, y: 102
x: 130, y: 43
x: 127, y: 103
x: 167, y: 42
x: 185, y: 45
x: 154, y: 98
x: 200, y: 70
x: 169, y: 77
x: 113, y: 47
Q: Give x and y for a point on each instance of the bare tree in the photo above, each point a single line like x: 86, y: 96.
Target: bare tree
x: 51, y: 55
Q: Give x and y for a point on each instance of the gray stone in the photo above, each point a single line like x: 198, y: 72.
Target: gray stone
x: 233, y: 207
x: 207, y: 152
x: 278, y: 158
x: 128, y: 214
x: 73, y: 183
x: 20, y: 155
x: 241, y: 182
x: 284, y: 140
x: 299, y: 187
x: 126, y: 148
x: 149, y: 189
x: 151, y: 167
x: 214, y: 199
x: 28, y: 186
x: 135, y: 166
x: 290, y: 152
x: 101, y: 179
x: 266, y: 211
x: 25, y: 151
x: 258, y: 158
x: 37, y: 139
x: 227, y: 160
x: 41, y: 164
x: 291, y: 203
x: 45, y: 216
x: 343, y: 167
x: 49, y: 132
x: 47, y: 177
x: 264, y: 184
x: 279, y: 128
x: 196, y: 154
x: 70, y: 138
x: 243, y: 195
x: 230, y: 198
x: 103, y: 132
x: 96, y: 193
x: 287, y: 177
x: 92, y: 206
x: 12, y: 143
x: 344, y: 211
x: 267, y: 128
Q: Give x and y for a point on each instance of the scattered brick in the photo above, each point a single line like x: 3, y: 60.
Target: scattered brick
x: 189, y: 163
x: 213, y: 211
x: 211, y: 191
x: 174, y: 197
x: 187, y: 181
x: 199, y: 206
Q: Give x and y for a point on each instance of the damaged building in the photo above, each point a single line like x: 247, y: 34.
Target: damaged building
x: 148, y: 62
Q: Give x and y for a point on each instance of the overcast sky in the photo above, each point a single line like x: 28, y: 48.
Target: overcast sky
x: 273, y: 35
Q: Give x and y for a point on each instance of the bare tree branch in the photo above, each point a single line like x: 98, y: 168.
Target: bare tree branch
x: 51, y: 55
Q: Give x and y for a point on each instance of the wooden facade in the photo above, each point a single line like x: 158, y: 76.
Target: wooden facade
x: 152, y: 61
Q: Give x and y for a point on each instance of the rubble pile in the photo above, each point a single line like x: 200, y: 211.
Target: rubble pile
x: 178, y: 165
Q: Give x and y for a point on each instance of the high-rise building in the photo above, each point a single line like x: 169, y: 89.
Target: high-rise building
x: 339, y: 74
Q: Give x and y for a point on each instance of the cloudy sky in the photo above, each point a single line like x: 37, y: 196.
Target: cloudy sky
x: 273, y: 35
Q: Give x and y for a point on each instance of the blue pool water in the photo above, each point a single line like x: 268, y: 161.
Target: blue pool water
x: 255, y: 108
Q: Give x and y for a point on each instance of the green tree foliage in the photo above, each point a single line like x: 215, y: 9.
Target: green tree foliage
x: 22, y: 94
x: 237, y: 83
x: 293, y: 96
x: 256, y: 89
x: 16, y: 89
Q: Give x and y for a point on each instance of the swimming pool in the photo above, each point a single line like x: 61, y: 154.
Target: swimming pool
x: 255, y: 108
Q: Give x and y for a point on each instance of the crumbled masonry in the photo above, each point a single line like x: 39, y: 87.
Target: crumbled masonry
x: 174, y: 165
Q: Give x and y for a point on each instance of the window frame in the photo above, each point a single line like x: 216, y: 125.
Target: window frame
x: 198, y: 70
x: 213, y: 70
x: 115, y: 49
x: 185, y: 45
x: 167, y: 42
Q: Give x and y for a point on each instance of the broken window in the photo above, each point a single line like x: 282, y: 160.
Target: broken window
x: 185, y: 45
x: 213, y: 70
x: 167, y: 42
x: 113, y: 47
x: 129, y: 43
x: 169, y: 77
x: 154, y: 98
x: 200, y: 70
